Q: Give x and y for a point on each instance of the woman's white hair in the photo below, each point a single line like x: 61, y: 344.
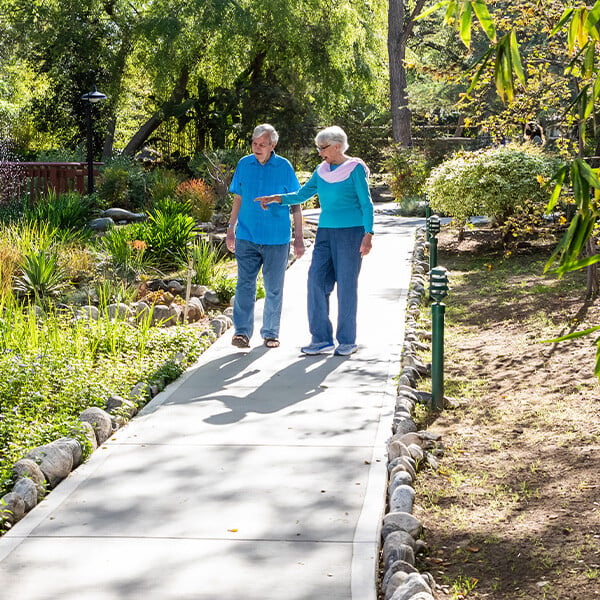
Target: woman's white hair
x: 266, y: 128
x: 333, y: 135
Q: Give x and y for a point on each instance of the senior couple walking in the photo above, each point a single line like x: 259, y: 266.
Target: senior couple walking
x: 266, y: 193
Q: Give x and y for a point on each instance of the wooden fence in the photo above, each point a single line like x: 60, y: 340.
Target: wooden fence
x: 35, y: 179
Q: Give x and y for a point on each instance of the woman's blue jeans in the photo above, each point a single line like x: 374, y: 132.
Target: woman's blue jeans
x: 336, y: 260
x: 250, y: 258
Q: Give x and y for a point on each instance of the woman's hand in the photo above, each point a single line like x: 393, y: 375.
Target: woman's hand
x: 264, y: 200
x: 366, y: 244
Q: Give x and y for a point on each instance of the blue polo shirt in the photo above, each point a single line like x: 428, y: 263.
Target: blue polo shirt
x: 251, y: 180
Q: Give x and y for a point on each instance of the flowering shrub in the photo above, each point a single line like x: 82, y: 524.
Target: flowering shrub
x: 498, y: 182
x: 200, y: 196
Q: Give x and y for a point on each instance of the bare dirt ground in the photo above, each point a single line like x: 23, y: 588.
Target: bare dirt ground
x: 514, y: 508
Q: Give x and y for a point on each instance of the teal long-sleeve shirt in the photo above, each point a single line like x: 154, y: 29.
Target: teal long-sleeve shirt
x: 344, y: 204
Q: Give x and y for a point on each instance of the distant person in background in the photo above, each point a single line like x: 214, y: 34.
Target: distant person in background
x: 344, y: 236
x: 534, y: 133
x: 261, y: 239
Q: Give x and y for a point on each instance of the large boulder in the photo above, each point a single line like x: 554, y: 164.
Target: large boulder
x: 120, y: 214
x: 163, y: 315
x: 100, y: 421
x: 27, y: 489
x: 12, y: 508
x: 118, y: 311
x: 55, y: 461
x: 195, y: 310
x: 28, y: 468
x: 74, y: 447
x: 101, y: 224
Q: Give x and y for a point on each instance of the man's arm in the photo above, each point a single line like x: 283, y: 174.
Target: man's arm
x: 298, y: 230
x: 235, y: 211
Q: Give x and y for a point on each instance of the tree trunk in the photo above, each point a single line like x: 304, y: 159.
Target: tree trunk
x: 460, y: 126
x: 400, y: 28
x: 163, y: 113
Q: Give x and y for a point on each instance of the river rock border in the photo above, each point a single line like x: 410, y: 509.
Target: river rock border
x: 44, y: 467
x: 409, y: 450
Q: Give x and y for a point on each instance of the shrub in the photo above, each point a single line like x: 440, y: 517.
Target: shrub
x: 163, y: 184
x: 123, y: 184
x: 206, y: 259
x: 410, y: 169
x: 170, y: 206
x: 41, y: 276
x: 201, y: 197
x: 224, y: 286
x: 127, y: 251
x: 167, y: 237
x: 217, y: 167
x: 68, y: 212
x: 501, y: 183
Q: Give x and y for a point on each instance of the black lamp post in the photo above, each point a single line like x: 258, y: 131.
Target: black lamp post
x: 91, y: 98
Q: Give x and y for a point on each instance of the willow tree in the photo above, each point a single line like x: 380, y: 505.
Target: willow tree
x: 158, y: 60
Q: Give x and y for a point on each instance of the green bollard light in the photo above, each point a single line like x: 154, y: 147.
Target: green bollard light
x: 433, y: 228
x: 427, y: 215
x: 438, y: 290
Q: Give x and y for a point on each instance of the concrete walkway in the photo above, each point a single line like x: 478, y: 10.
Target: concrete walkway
x: 258, y: 475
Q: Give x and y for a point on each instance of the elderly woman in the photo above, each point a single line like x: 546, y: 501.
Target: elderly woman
x: 344, y: 236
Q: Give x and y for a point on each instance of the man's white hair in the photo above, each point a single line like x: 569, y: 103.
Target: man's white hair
x: 333, y: 135
x: 266, y: 128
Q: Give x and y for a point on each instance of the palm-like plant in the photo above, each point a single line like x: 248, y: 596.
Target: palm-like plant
x: 41, y: 276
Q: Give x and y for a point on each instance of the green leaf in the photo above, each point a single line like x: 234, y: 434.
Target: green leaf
x: 594, y: 15
x: 481, y: 11
x: 592, y: 21
x: 564, y: 18
x: 516, y: 57
x: 577, y: 265
x: 588, y: 59
x: 573, y: 30
x: 560, y: 178
x: 465, y: 23
x: 572, y: 336
x: 433, y: 9
x: 589, y: 174
x: 483, y: 60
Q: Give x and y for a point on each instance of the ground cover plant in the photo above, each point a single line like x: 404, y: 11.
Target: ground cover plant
x: 54, y: 364
x: 52, y: 368
x: 513, y: 510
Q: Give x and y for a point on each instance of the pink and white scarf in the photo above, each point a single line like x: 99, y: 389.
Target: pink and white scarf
x: 342, y: 172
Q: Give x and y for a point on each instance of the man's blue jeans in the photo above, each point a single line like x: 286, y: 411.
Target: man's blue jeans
x: 336, y: 260
x: 250, y: 258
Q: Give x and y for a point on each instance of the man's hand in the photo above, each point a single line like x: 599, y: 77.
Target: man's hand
x: 264, y: 200
x: 366, y: 244
x: 298, y: 247
x: 230, y: 240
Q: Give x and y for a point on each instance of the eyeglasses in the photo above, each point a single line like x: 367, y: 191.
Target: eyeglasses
x: 321, y: 148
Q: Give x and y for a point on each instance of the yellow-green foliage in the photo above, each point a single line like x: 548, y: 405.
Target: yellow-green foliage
x: 496, y: 182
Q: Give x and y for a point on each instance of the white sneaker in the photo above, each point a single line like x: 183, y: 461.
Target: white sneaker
x: 346, y: 349
x: 317, y: 348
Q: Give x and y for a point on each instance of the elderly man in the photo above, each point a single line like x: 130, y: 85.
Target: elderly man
x: 259, y: 238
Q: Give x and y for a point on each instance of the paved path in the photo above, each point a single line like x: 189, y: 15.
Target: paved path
x: 258, y: 475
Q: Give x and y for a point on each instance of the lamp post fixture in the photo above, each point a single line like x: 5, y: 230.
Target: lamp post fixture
x: 91, y: 98
x: 433, y: 228
x: 438, y: 290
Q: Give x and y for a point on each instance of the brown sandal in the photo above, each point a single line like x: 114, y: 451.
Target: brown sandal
x: 239, y: 340
x: 271, y: 342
